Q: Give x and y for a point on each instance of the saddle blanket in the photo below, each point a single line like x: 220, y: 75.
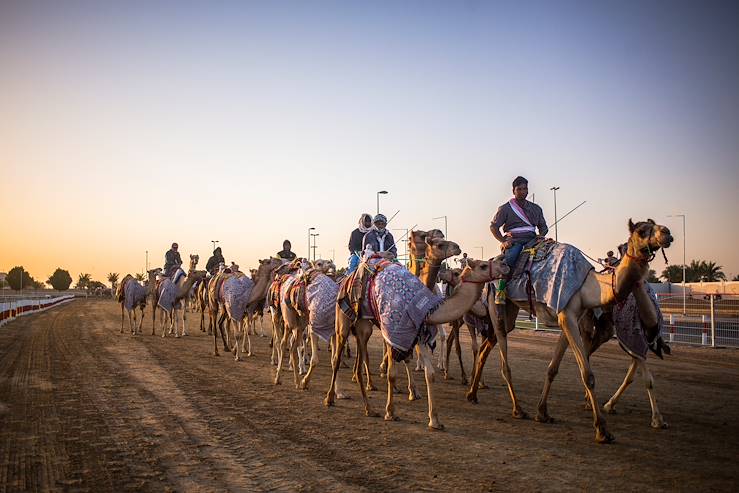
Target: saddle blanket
x: 235, y: 293
x: 167, y: 294
x: 555, y: 278
x: 401, y: 303
x: 135, y: 294
x: 321, y: 298
x: 629, y: 330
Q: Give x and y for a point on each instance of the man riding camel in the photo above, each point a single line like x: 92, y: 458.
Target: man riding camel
x: 379, y: 239
x: 172, y: 261
x: 520, y: 220
x: 355, y: 241
x: 214, y: 261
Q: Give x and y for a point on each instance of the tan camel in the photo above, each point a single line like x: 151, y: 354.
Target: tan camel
x: 266, y: 270
x: 474, y: 276
x: 180, y: 302
x: 180, y: 292
x: 131, y: 294
x: 597, y: 291
x: 283, y: 273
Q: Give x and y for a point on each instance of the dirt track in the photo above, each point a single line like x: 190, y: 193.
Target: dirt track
x: 85, y: 408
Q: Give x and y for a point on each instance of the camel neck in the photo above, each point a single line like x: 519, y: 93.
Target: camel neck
x: 628, y: 273
x: 459, y: 303
x: 429, y: 273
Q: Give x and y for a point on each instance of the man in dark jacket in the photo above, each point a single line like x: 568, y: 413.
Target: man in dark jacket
x: 379, y: 238
x: 286, y: 251
x: 215, y: 261
x: 172, y: 261
x: 355, y: 241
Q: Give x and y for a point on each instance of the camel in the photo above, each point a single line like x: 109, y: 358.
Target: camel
x: 231, y: 306
x: 283, y: 273
x: 473, y: 277
x: 173, y: 288
x: 171, y: 299
x: 597, y: 291
x: 131, y: 294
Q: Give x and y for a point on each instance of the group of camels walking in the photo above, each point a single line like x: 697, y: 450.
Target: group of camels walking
x: 307, y: 302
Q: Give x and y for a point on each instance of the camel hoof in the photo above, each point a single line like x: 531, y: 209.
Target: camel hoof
x: 390, y: 417
x: 339, y: 395
x: 436, y: 427
x: 371, y: 414
x: 659, y: 425
x: 483, y: 386
x: 328, y: 402
x: 609, y: 408
x: 371, y: 387
x: 249, y: 353
x: 413, y: 395
x: 472, y: 397
x: 303, y: 385
x: 604, y: 437
x: 277, y: 381
x: 543, y: 418
x: 520, y: 414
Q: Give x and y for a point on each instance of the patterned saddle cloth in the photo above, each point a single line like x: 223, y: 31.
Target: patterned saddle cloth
x: 167, y: 291
x: 629, y: 330
x: 235, y: 292
x: 320, y: 296
x: 134, y: 294
x: 556, y: 272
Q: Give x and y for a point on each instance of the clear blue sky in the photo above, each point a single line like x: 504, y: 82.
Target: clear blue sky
x: 126, y: 127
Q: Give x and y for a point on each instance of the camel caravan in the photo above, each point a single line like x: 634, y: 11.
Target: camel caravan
x: 425, y: 303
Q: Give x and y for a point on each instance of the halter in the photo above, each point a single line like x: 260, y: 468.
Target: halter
x: 490, y: 274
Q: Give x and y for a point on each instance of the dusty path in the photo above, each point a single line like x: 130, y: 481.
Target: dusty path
x: 85, y: 408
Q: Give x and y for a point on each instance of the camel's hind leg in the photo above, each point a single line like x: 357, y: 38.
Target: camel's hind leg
x: 343, y: 325
x: 363, y: 331
x: 453, y: 334
x: 413, y: 393
x: 391, y: 374
x: 501, y: 324
x: 542, y: 414
x: 122, y: 318
x: 458, y: 349
x: 482, y: 356
x: 428, y: 369
x: 610, y: 406
x: 313, y: 360
x: 246, y: 342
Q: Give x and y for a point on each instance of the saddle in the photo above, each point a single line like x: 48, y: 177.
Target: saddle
x: 353, y: 289
x: 535, y: 250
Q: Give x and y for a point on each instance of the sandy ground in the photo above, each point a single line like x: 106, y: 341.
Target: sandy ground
x: 84, y: 408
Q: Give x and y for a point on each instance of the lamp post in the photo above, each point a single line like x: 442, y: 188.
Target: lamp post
x: 21, y: 289
x: 214, y: 243
x: 554, y: 189
x: 381, y: 192
x: 482, y: 254
x: 309, y: 233
x: 684, y: 265
x: 445, y: 225
x: 314, y: 246
x: 147, y: 261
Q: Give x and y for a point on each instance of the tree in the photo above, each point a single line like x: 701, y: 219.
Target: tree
x: 673, y: 273
x: 14, y: 279
x: 139, y: 277
x: 652, y: 276
x: 113, y: 279
x: 709, y: 271
x: 83, y: 281
x: 60, y: 279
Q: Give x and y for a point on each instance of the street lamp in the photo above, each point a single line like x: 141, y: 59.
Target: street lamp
x: 482, y: 255
x: 147, y: 261
x: 383, y: 192
x: 445, y: 225
x: 684, y: 265
x: 309, y: 233
x: 214, y: 243
x: 314, y: 246
x: 554, y: 189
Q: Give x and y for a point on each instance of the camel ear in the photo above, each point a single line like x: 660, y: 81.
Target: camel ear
x: 632, y: 226
x: 651, y: 221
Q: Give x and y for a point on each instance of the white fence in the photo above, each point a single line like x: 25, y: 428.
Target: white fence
x: 702, y: 319
x: 12, y: 308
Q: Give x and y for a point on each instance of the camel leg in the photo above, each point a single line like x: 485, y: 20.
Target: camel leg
x: 458, y: 349
x: 213, y: 331
x: 295, y: 355
x: 413, y: 393
x: 482, y: 356
x: 363, y: 331
x: 610, y: 406
x: 419, y: 361
x: 475, y: 352
x: 225, y: 336
x: 449, y: 342
x: 542, y: 414
x: 428, y: 369
x: 122, y: 318
x: 507, y: 319
x: 657, y: 420
x: 131, y: 320
x: 246, y: 340
x: 342, y: 331
x: 281, y: 343
x: 141, y: 322
x: 313, y: 360
x: 370, y: 386
x: 153, y: 317
x: 184, y: 320
x: 391, y: 374
x: 569, y: 325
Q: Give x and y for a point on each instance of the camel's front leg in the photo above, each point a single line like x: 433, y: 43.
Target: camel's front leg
x: 391, y: 373
x: 184, y: 321
x: 122, y: 318
x: 342, y: 331
x: 412, y: 390
x: 131, y: 320
x: 296, y: 357
x: 246, y: 340
x: 475, y: 351
x: 236, y: 329
x: 568, y: 323
x: 370, y: 385
x: 504, y: 320
x: 313, y: 359
x: 428, y: 368
x: 542, y: 414
x: 281, y: 344
x: 482, y: 356
x: 363, y: 331
x: 458, y: 349
x: 448, y: 351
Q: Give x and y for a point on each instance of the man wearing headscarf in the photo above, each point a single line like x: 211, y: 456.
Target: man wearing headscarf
x: 286, y: 252
x: 172, y: 261
x: 214, y: 261
x: 379, y: 239
x: 355, y: 241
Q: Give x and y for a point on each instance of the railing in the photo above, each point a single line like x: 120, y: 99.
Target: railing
x: 708, y: 320
x: 12, y: 308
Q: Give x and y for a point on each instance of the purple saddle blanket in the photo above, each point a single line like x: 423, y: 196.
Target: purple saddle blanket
x: 629, y: 330
x: 167, y: 294
x: 235, y: 292
x: 321, y: 299
x: 135, y: 294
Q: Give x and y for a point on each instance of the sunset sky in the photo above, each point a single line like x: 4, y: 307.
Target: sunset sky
x: 125, y: 126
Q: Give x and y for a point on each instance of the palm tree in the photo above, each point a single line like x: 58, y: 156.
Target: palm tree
x: 673, y: 273
x: 140, y: 277
x: 113, y: 280
x: 712, y: 272
x: 83, y: 281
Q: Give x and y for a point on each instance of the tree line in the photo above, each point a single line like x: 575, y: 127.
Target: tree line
x: 696, y: 271
x: 18, y: 277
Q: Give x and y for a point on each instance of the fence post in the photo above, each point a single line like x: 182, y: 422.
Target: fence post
x: 713, y: 323
x: 704, y: 334
x: 536, y: 323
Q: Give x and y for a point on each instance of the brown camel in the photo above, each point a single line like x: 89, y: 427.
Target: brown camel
x: 180, y: 292
x: 598, y: 291
x: 131, y: 294
x: 180, y: 306
x: 266, y: 270
x: 473, y: 278
x: 283, y: 273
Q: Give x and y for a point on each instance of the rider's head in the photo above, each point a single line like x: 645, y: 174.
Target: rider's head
x: 174, y: 246
x: 380, y: 221
x: 286, y: 245
x: 366, y: 220
x: 520, y: 188
x: 217, y: 251
x: 610, y: 253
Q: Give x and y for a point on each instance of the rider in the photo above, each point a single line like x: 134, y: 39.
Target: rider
x: 172, y: 261
x: 214, y: 261
x: 286, y: 252
x: 379, y: 239
x: 519, y: 219
x: 355, y: 241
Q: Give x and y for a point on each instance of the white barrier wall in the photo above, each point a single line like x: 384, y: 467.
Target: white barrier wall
x: 10, y: 310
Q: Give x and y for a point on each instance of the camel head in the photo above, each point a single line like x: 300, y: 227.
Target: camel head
x: 194, y: 261
x: 267, y: 267
x: 438, y: 249
x: 197, y: 275
x: 646, y: 238
x: 480, y: 271
x: 153, y: 273
x: 417, y: 240
x: 450, y: 276
x: 324, y: 266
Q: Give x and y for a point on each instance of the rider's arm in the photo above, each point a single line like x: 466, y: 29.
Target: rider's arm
x: 496, y: 223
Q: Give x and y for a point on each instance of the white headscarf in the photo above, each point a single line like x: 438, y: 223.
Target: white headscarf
x: 362, y: 228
